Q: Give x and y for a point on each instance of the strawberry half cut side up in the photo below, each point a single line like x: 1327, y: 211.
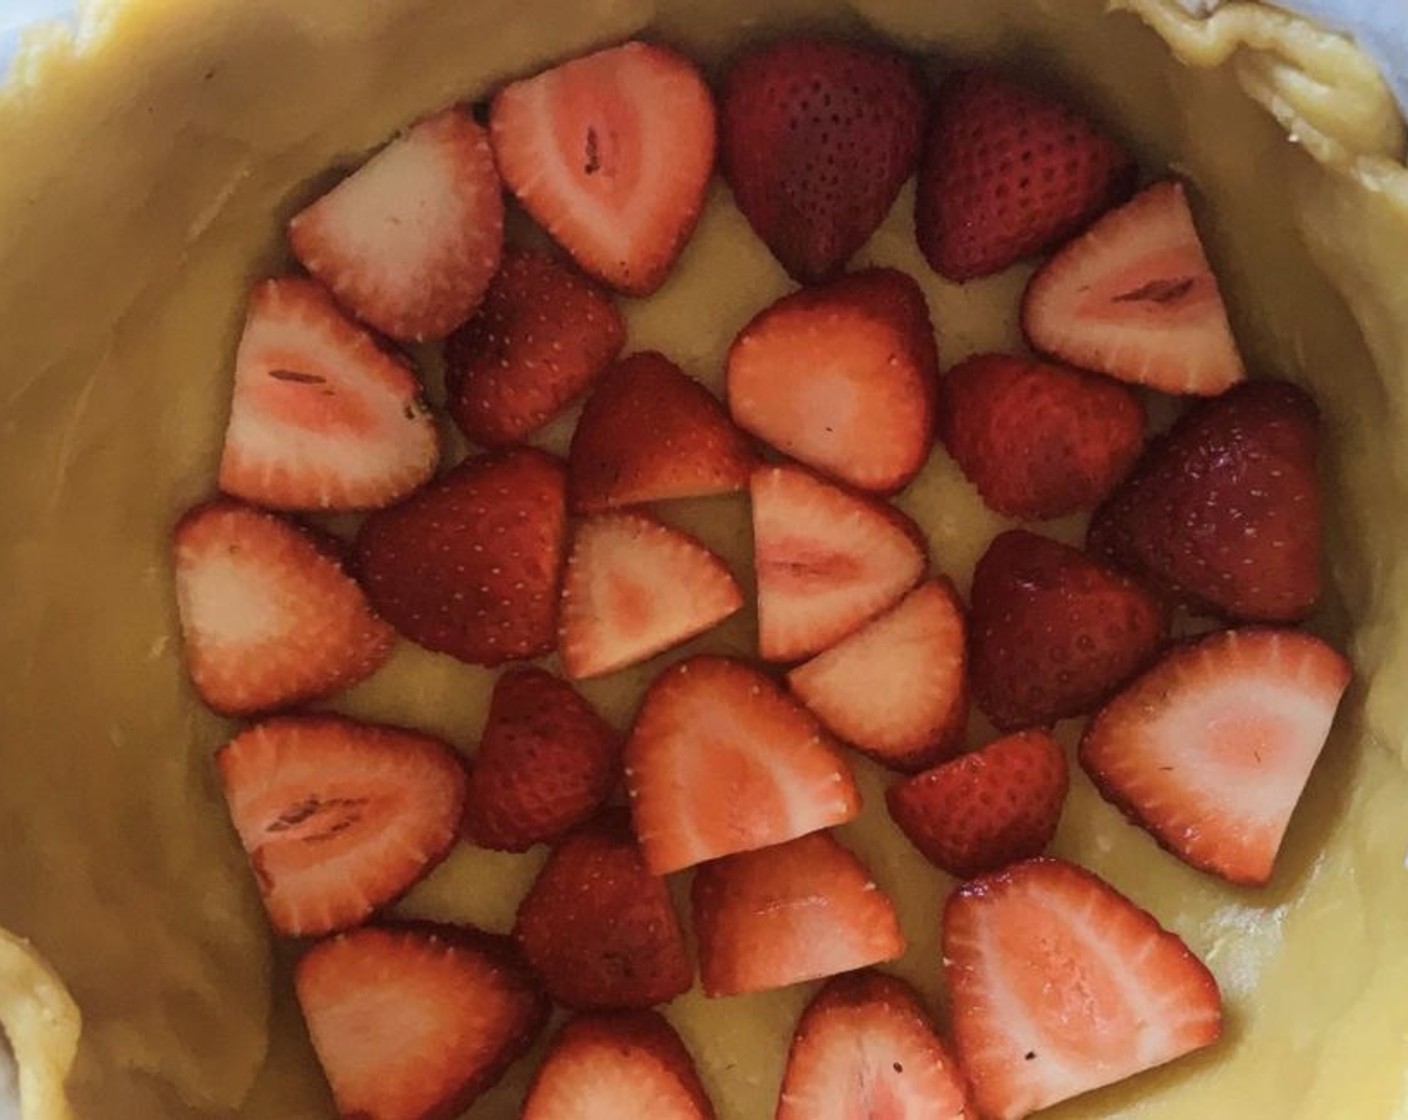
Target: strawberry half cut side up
x: 866, y: 1049
x: 1135, y: 298
x: 611, y: 154
x: 817, y: 139
x: 269, y: 616
x: 322, y: 418
x: 1211, y: 749
x: 413, y: 1021
x: 1060, y: 985
x: 409, y: 241
x: 339, y: 818
x: 722, y: 760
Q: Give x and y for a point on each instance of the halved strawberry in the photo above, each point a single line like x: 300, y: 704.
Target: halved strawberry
x: 322, y: 417
x: 1052, y: 632
x: 1039, y: 440
x: 843, y: 378
x: 897, y: 689
x: 651, y: 433
x: 339, y: 818
x: 782, y: 915
x: 617, y: 1067
x: 611, y: 154
x: 598, y: 927
x: 818, y: 137
x: 721, y: 760
x: 1211, y: 749
x: 1007, y: 173
x: 413, y: 1021
x: 827, y: 561
x: 1134, y: 297
x: 269, y: 616
x: 544, y: 334
x: 634, y: 588
x: 471, y: 565
x: 1224, y: 511
x: 1059, y: 984
x: 984, y: 810
x: 866, y: 1049
x: 545, y: 764
x: 409, y: 241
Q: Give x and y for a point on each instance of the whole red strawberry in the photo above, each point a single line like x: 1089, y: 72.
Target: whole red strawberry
x: 984, y: 810
x: 1009, y: 173
x: 1053, y: 632
x: 545, y: 764
x: 1223, y: 513
x: 817, y: 139
x: 1039, y: 440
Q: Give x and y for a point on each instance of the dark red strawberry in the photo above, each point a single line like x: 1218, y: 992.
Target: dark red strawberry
x: 984, y: 810
x: 414, y: 1021
x: 817, y: 138
x: 268, y: 614
x: 1134, y: 297
x: 1039, y: 440
x: 599, y: 928
x: 322, y: 417
x: 842, y: 378
x: 866, y: 1049
x: 782, y: 915
x: 545, y: 764
x: 1224, y: 512
x: 543, y: 336
x: 1054, y: 632
x: 1211, y: 749
x: 409, y: 241
x: 339, y: 818
x: 1059, y: 984
x: 1008, y: 172
x: 617, y: 1067
x: 650, y: 433
x: 611, y: 155
x: 897, y: 689
x: 471, y: 565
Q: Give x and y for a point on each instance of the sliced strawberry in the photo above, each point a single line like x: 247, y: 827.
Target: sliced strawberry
x: 611, y: 154
x: 651, y: 433
x: 842, y: 378
x: 817, y: 139
x: 617, y: 1067
x: 1059, y: 984
x: 1135, y: 297
x: 721, y: 760
x: 409, y: 241
x: 599, y: 928
x: 786, y: 914
x: 543, y: 336
x: 1224, y: 512
x: 898, y: 688
x: 1007, y: 173
x: 339, y: 818
x: 984, y: 810
x: 413, y: 1021
x: 471, y: 565
x: 827, y: 561
x: 269, y: 616
x: 866, y: 1049
x: 546, y: 763
x: 635, y: 588
x: 1211, y: 749
x: 1039, y: 440
x: 322, y: 417
x: 1053, y: 632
